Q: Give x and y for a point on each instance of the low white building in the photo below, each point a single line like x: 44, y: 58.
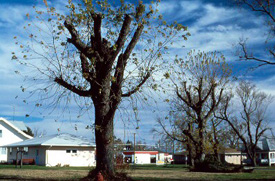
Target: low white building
x: 145, y: 157
x: 10, y: 132
x: 55, y: 150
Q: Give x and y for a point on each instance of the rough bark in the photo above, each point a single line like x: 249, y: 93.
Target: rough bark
x: 104, y: 139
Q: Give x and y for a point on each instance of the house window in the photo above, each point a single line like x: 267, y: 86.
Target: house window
x: 26, y: 150
x: 0, y: 133
x: 74, y: 151
x: 68, y: 151
x: 3, y: 151
x: 10, y: 151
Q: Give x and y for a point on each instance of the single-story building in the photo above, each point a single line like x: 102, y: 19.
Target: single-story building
x: 54, y: 150
x: 265, y: 154
x: 146, y: 157
x: 141, y: 157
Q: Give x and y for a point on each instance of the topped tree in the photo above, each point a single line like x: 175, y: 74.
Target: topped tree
x: 93, y: 52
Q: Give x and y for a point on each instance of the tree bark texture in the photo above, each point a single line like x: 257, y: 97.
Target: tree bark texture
x: 104, y: 139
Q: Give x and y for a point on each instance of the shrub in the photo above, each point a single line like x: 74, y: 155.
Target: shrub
x: 212, y: 164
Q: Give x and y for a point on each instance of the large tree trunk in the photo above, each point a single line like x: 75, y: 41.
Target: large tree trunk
x: 105, y: 145
x: 104, y: 127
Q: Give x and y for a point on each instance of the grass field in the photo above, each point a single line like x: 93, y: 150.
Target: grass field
x: 137, y: 172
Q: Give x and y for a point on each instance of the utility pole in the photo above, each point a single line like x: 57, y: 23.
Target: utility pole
x: 173, y: 148
x: 166, y: 146
x: 134, y: 148
x: 124, y: 133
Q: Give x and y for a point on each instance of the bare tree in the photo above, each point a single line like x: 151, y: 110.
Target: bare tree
x: 177, y: 129
x: 90, y: 53
x: 265, y: 8
x: 251, y: 123
x: 199, y: 83
x: 37, y: 132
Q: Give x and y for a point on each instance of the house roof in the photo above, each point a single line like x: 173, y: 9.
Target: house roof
x: 20, y: 125
x: 229, y: 150
x: 54, y: 140
x: 266, y: 144
x: 140, y: 152
x: 16, y: 125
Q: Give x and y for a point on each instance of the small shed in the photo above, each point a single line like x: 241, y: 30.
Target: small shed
x: 55, y: 150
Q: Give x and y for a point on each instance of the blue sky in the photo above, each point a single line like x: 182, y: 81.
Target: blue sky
x: 214, y: 26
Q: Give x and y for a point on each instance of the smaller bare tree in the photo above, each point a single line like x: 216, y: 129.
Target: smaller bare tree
x: 252, y: 121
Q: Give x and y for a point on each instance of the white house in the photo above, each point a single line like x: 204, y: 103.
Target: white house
x: 10, y: 132
x: 55, y: 150
x: 265, y: 151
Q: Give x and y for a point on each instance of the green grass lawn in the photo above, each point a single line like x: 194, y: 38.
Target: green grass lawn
x: 259, y: 173
x: 137, y: 172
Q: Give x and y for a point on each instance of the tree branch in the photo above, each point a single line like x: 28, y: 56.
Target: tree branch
x: 122, y: 34
x: 75, y: 40
x: 97, y: 28
x: 247, y: 57
x: 145, y: 78
x: 72, y: 88
x: 133, y: 42
x: 188, y: 102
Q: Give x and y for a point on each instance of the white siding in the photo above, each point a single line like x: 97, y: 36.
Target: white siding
x: 58, y: 156
x: 143, y: 158
x: 9, y: 136
x: 233, y: 159
x: 53, y: 156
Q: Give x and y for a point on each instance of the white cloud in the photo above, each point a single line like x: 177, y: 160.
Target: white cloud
x: 211, y: 27
x: 11, y: 15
